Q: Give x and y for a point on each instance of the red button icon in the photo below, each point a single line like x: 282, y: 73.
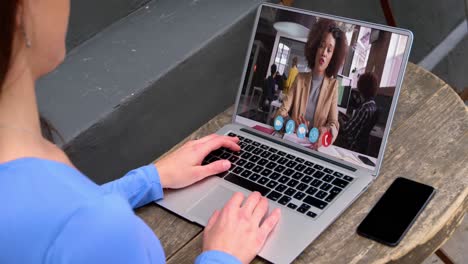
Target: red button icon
x: 326, y: 139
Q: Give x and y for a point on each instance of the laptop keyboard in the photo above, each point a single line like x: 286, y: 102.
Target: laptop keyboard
x: 291, y: 181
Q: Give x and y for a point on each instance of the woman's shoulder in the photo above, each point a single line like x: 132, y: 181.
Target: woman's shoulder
x: 39, y: 148
x: 57, y: 198
x: 332, y: 82
x: 48, y: 179
x: 303, y: 78
x: 36, y: 167
x: 25, y: 162
x: 304, y: 75
x: 112, y: 229
x: 332, y: 79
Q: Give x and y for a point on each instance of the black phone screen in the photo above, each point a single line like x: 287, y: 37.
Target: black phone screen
x: 395, y: 212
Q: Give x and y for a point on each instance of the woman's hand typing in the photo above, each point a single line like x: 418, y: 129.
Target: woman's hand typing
x: 238, y: 228
x: 183, y: 167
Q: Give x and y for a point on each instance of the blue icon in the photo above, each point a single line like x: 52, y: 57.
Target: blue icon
x: 301, y: 131
x: 313, y: 135
x: 279, y: 121
x: 290, y: 127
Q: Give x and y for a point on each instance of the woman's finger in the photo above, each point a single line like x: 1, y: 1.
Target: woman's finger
x: 219, y: 166
x: 206, y: 138
x: 270, y: 222
x: 260, y: 210
x: 212, y: 220
x: 234, y: 203
x: 304, y: 121
x: 218, y: 142
x: 319, y: 142
x: 251, y: 202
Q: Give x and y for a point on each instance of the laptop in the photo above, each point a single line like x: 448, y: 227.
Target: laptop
x: 311, y: 186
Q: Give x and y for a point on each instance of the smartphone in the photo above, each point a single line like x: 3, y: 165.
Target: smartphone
x: 395, y: 212
x: 366, y: 160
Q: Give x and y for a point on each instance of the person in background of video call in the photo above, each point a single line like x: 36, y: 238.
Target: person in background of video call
x: 357, y: 129
x: 312, y: 97
x: 291, y: 76
x: 272, y: 84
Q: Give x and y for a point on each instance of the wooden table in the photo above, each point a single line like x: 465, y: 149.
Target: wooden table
x: 428, y: 143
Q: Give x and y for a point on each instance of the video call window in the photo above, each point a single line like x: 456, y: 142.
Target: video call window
x: 323, y: 84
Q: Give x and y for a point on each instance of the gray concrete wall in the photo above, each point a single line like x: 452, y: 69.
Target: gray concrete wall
x: 430, y: 20
x: 453, y: 68
x: 88, y: 17
x: 137, y: 88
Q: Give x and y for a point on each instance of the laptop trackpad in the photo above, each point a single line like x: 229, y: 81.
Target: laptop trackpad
x: 215, y: 199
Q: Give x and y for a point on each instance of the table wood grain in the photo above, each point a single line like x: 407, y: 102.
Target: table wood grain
x: 428, y: 143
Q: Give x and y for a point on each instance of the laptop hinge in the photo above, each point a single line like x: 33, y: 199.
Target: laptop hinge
x: 300, y: 150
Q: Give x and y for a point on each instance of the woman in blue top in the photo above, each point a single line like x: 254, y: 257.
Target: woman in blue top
x: 51, y: 213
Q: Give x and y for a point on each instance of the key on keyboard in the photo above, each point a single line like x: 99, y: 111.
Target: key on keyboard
x: 251, y: 186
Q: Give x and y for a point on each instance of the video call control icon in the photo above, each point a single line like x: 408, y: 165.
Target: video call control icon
x: 326, y: 139
x: 301, y: 131
x: 290, y: 126
x: 279, y: 121
x: 313, y: 135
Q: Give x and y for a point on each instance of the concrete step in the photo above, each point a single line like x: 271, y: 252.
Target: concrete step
x: 88, y: 17
x: 136, y: 88
x: 452, y: 69
x: 431, y: 20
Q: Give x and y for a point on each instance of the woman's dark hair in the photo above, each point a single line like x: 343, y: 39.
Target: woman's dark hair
x: 368, y: 85
x: 273, y: 69
x: 8, y: 10
x: 315, y: 38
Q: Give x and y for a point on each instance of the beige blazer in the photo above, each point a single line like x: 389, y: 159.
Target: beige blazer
x: 326, y: 112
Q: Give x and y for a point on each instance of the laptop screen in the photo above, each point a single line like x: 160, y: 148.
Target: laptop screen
x: 325, y: 84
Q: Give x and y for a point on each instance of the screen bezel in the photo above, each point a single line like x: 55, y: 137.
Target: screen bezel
x: 409, y: 34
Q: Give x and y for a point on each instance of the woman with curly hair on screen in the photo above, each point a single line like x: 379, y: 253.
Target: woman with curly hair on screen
x: 312, y: 98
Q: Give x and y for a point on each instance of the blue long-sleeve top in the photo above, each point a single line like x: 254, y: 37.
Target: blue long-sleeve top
x: 52, y: 213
